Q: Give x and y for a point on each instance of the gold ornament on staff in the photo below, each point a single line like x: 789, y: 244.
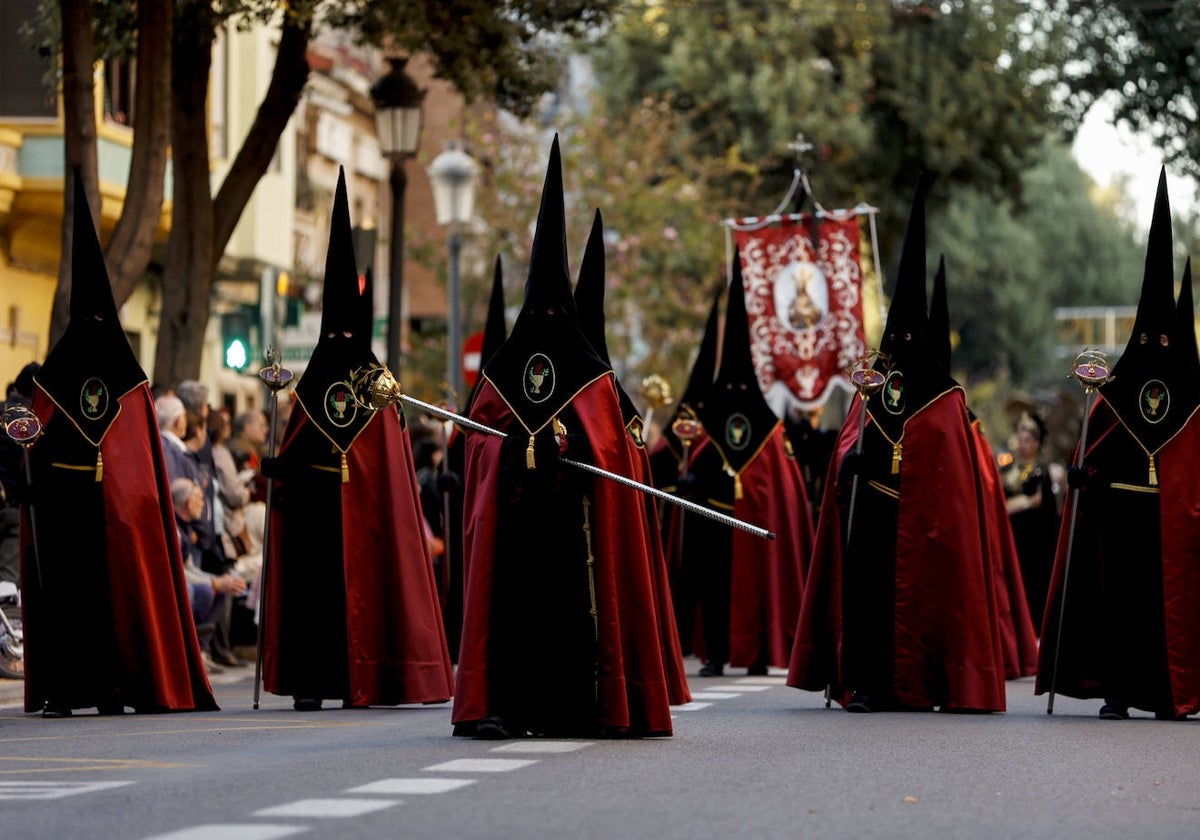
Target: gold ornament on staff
x: 656, y: 391
x: 1091, y: 369
x: 24, y: 428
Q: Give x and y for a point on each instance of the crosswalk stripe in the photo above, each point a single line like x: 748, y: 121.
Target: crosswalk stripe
x: 327, y: 808
x: 481, y: 765
x: 543, y: 746
x: 715, y: 695
x: 232, y: 831
x: 412, y: 786
x: 690, y: 707
x: 53, y: 790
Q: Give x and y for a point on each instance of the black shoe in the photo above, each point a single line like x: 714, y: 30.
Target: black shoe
x: 493, y: 729
x: 1112, y: 711
x: 713, y: 669
x: 227, y: 659
x: 307, y: 704
x: 109, y: 709
x: 55, y: 710
x: 466, y: 729
x: 860, y: 703
x: 756, y: 671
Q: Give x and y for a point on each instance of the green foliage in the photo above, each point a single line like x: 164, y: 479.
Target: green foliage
x: 1009, y: 267
x: 884, y: 90
x: 1143, y: 55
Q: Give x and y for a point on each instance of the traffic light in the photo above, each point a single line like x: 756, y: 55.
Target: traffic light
x: 235, y: 339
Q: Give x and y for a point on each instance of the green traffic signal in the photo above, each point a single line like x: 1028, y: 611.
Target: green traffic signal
x: 235, y: 339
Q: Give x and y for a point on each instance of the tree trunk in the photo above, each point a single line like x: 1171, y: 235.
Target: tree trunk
x: 79, y: 143
x: 188, y: 272
x: 201, y: 226
x: 132, y: 242
x: 288, y: 78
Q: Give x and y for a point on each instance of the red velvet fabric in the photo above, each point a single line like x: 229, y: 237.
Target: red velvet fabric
x: 946, y: 634
x: 157, y: 649
x: 631, y: 667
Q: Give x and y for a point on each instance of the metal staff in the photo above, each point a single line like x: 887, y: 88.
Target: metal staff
x: 447, y: 502
x: 376, y: 388
x: 276, y: 378
x: 1090, y: 368
x: 24, y: 427
x: 866, y: 381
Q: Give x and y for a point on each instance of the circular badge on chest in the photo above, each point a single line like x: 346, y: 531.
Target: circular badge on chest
x: 1154, y: 401
x: 737, y: 432
x: 340, y: 407
x: 539, y: 379
x: 93, y: 399
x: 893, y: 393
x: 636, y: 432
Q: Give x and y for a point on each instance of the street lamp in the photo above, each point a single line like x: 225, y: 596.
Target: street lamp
x: 453, y: 174
x: 398, y: 121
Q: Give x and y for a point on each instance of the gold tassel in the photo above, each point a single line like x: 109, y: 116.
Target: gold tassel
x: 1153, y: 473
x: 530, y: 464
x: 345, y: 470
x: 895, y: 459
x: 737, y: 486
x: 99, y: 466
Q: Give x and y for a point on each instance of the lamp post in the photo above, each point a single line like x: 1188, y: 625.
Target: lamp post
x: 453, y: 174
x: 398, y: 121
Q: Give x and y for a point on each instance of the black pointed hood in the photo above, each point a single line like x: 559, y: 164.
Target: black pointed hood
x: 589, y: 290
x: 92, y: 365
x: 339, y: 295
x: 700, y: 380
x: 939, y: 315
x: 1184, y: 334
x: 495, y: 331
x: 344, y: 346
x: 546, y: 360
x: 1153, y: 387
x: 735, y: 415
x: 914, y: 365
x: 589, y: 309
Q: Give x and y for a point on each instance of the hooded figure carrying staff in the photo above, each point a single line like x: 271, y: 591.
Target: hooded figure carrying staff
x: 351, y: 606
x: 899, y: 610
x: 105, y: 555
x: 560, y: 634
x: 1127, y: 627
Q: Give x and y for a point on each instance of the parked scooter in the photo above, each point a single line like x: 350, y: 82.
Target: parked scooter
x: 12, y: 638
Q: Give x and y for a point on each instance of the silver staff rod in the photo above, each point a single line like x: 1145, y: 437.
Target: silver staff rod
x: 1091, y: 369
x: 699, y: 510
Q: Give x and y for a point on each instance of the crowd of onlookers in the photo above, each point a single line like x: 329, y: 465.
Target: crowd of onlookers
x: 218, y: 495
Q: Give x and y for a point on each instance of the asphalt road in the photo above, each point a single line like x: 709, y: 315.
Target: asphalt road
x: 750, y: 758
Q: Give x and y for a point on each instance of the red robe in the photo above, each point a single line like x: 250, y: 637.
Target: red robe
x: 768, y: 575
x: 668, y: 631
x: 1086, y: 656
x: 946, y: 645
x: 352, y: 606
x: 1017, y: 635
x: 108, y: 619
x: 632, y: 680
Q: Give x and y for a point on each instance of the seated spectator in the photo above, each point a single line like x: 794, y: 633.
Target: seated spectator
x: 232, y: 487
x: 211, y: 595
x: 247, y: 445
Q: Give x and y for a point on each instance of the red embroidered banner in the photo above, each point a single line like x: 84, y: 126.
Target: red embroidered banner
x: 804, y: 305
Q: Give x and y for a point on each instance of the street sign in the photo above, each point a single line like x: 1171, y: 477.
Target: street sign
x: 472, y: 350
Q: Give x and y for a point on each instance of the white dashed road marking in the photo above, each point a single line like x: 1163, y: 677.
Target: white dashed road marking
x: 481, y: 765
x: 742, y: 687
x: 412, y: 786
x: 763, y: 681
x: 690, y: 707
x: 327, y: 808
x: 232, y: 831
x: 543, y: 746
x: 53, y: 790
x: 715, y: 695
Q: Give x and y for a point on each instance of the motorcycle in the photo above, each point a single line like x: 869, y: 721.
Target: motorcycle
x: 12, y: 637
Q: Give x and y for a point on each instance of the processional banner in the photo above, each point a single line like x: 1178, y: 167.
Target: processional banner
x: 804, y: 302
